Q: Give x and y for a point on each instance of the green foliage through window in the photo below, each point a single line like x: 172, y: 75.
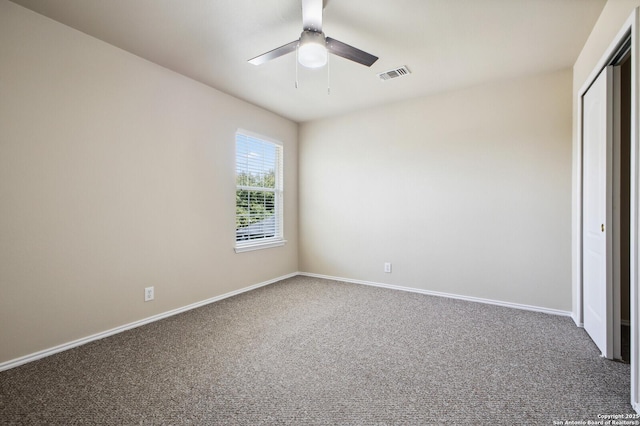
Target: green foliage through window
x: 258, y: 188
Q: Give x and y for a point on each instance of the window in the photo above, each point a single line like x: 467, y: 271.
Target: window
x: 258, y: 192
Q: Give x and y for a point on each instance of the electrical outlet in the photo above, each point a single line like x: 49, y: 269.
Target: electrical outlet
x: 148, y: 294
x: 387, y: 267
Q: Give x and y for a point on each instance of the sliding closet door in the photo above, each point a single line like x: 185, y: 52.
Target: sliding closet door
x: 597, y: 139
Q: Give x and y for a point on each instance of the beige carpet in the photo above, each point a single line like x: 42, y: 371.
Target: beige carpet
x: 306, y: 351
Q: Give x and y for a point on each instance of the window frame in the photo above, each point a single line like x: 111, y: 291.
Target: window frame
x: 278, y: 239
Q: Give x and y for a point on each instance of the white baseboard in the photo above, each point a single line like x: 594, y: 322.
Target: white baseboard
x: 581, y: 324
x: 66, y: 346
x: 447, y: 295
x: 574, y: 317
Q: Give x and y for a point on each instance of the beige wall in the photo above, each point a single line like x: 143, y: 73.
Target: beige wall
x: 611, y: 20
x: 465, y: 192
x: 116, y: 174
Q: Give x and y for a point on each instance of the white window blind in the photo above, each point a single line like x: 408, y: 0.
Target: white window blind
x: 258, y: 192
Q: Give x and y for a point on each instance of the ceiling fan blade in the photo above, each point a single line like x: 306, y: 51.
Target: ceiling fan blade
x: 275, y: 53
x: 349, y: 52
x: 312, y: 15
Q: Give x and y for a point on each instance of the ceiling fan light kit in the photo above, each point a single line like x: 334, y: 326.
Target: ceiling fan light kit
x: 312, y: 46
x: 312, y: 49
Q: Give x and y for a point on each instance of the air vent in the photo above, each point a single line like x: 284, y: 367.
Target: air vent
x: 398, y: 72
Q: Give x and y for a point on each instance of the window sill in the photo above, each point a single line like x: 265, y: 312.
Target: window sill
x: 259, y: 246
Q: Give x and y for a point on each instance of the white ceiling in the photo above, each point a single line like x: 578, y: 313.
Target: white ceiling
x: 447, y: 44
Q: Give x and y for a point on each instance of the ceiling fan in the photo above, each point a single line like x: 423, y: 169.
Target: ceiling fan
x: 313, y: 47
